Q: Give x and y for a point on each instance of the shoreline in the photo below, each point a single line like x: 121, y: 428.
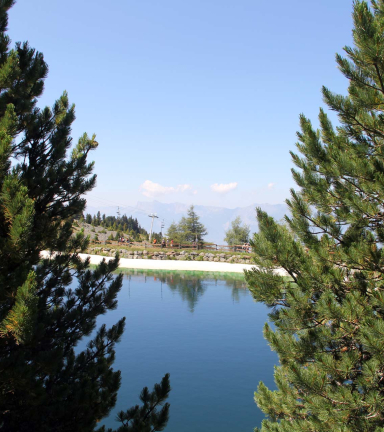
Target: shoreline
x: 147, y: 264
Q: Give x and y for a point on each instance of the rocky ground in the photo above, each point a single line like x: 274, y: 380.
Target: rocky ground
x: 171, y: 255
x: 91, y: 231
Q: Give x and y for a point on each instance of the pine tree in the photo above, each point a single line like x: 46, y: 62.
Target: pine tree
x: 147, y: 418
x: 48, y: 306
x: 237, y: 234
x: 191, y: 227
x: 329, y: 316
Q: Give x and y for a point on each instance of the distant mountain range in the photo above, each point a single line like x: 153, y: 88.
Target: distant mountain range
x: 216, y: 219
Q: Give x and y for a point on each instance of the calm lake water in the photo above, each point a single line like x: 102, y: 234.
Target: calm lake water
x: 206, y: 331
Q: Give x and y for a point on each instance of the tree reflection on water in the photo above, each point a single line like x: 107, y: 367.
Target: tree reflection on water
x: 192, y: 285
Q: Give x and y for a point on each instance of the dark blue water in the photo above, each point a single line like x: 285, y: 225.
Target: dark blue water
x: 207, y: 333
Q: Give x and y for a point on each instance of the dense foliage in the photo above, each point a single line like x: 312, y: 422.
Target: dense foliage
x: 237, y: 234
x: 48, y: 306
x: 329, y: 318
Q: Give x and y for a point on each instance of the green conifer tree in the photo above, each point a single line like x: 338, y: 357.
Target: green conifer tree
x: 48, y: 306
x: 329, y: 317
x: 190, y: 226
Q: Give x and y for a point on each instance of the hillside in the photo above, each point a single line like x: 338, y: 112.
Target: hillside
x: 216, y: 219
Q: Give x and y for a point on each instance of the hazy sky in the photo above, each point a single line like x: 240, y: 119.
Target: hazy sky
x: 191, y: 101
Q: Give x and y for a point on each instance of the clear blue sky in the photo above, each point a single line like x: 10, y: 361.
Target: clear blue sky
x: 186, y: 95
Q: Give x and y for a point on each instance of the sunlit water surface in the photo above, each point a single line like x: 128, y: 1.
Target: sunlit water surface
x: 206, y: 331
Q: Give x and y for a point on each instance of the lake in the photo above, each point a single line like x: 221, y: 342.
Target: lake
x: 206, y: 331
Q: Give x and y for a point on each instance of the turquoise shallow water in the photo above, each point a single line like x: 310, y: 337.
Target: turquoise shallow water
x: 206, y: 331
